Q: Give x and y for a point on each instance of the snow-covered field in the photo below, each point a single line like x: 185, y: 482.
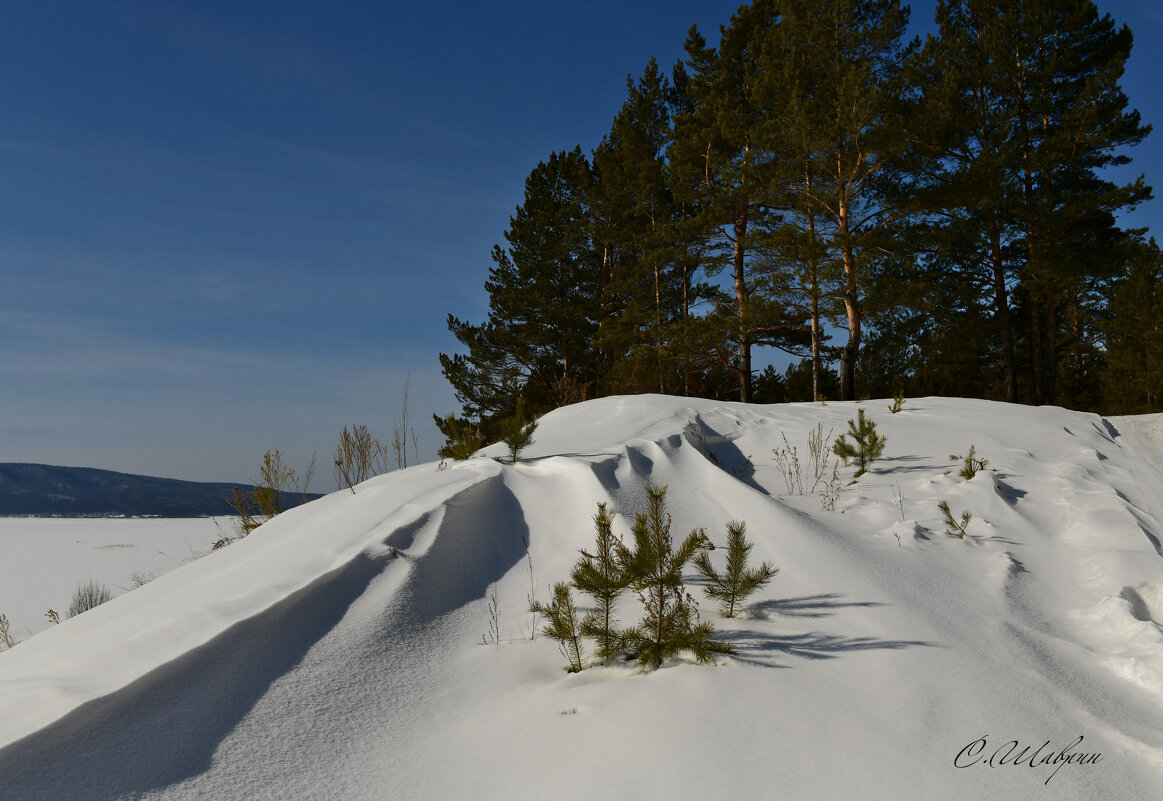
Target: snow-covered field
x: 337, y: 652
x: 43, y: 560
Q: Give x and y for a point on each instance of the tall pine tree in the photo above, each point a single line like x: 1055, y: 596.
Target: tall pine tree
x: 842, y: 80
x: 718, y: 166
x: 1133, y: 381
x: 544, y: 303
x: 1033, y: 111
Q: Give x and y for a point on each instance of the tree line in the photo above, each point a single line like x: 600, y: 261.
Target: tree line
x: 926, y: 217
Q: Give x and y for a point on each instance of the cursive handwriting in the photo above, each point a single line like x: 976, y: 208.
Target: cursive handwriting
x: 1016, y: 754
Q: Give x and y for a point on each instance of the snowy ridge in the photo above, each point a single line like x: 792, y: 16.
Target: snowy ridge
x: 336, y: 652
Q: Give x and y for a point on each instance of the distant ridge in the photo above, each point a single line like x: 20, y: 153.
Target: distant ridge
x: 46, y: 491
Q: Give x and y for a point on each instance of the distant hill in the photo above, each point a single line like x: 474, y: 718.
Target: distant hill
x: 48, y: 491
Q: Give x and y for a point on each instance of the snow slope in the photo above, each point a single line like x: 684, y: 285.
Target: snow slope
x: 337, y: 652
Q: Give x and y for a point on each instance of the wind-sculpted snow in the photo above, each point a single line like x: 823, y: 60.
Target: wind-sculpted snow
x: 339, y: 652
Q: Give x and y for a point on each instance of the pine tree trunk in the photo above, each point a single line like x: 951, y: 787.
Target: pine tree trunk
x: 817, y: 392
x: 1002, y: 309
x: 1036, y: 352
x: 1078, y: 374
x: 1049, y: 351
x: 603, y: 313
x: 741, y: 303
x: 658, y: 326
x: 741, y: 293
x: 686, y: 313
x: 851, y: 308
x: 813, y: 292
x: 1034, y: 293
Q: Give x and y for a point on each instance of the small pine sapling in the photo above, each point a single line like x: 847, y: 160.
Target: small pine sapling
x: 601, y: 576
x: 562, y: 625
x: 867, y: 445
x: 737, y: 582
x: 970, y: 464
x: 654, y: 567
x: 518, y: 433
x: 898, y: 400
x: 462, y: 439
x: 954, y: 527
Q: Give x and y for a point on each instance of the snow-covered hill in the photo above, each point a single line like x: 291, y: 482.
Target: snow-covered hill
x: 337, y: 652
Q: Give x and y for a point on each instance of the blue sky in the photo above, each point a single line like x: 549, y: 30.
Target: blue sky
x: 227, y: 227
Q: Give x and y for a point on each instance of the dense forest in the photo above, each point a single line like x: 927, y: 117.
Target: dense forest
x: 927, y: 217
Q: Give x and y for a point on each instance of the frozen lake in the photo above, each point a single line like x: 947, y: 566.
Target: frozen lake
x: 42, y: 560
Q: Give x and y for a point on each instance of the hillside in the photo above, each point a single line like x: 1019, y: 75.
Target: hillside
x: 337, y: 651
x: 50, y: 491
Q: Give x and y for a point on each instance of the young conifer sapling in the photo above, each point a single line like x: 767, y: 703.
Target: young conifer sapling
x: 561, y: 624
x: 956, y: 528
x: 462, y: 439
x: 601, y: 576
x: 866, y: 446
x: 655, y: 567
x: 735, y: 583
x: 519, y: 435
x: 971, y: 463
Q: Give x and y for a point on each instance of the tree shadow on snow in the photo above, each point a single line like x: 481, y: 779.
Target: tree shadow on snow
x: 822, y: 605
x: 757, y: 647
x: 890, y: 465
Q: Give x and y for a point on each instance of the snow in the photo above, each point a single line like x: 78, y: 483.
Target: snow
x: 337, y: 651
x: 44, y: 559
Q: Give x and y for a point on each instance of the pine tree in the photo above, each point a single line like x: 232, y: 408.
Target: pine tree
x: 544, y: 292
x: 601, y: 576
x: 562, y: 625
x: 737, y: 582
x: 1034, y: 112
x: 1133, y: 379
x: 655, y: 567
x: 835, y: 103
x: 1071, y: 119
x: 633, y: 210
x: 719, y: 167
x: 961, y: 185
x: 866, y: 444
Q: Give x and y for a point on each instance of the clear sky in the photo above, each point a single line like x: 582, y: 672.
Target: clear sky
x: 233, y: 226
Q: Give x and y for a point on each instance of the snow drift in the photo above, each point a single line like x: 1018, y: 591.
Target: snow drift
x: 337, y: 652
